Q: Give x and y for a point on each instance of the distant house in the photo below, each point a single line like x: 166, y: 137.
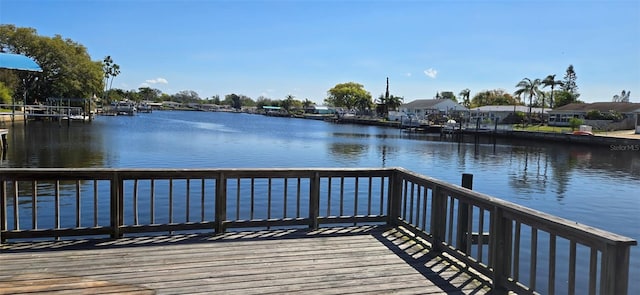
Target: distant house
x: 319, y: 110
x: 625, y: 111
x: 425, y: 107
x: 171, y: 104
x: 152, y: 105
x: 500, y: 112
x: 203, y: 106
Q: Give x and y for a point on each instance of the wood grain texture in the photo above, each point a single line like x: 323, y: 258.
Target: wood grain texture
x: 359, y: 260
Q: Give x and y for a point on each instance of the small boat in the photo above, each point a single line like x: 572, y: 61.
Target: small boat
x: 578, y: 132
x: 584, y: 130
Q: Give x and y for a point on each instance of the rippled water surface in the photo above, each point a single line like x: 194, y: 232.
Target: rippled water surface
x: 598, y: 186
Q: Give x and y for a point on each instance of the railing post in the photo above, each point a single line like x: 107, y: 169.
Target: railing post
x: 438, y: 218
x: 221, y: 203
x: 395, y: 198
x: 314, y: 201
x: 463, y: 216
x: 614, y: 276
x: 500, y: 243
x: 117, y: 210
x: 3, y: 208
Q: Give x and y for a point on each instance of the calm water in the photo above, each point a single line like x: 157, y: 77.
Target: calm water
x: 598, y: 186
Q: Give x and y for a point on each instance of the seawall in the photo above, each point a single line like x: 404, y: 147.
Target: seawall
x: 631, y: 141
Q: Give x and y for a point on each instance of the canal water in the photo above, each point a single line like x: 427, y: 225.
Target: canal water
x: 597, y: 186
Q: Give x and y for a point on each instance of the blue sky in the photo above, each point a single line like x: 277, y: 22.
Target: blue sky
x: 275, y: 48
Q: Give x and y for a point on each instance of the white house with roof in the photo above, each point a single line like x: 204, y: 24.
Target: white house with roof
x: 627, y: 111
x: 500, y: 112
x: 320, y: 110
x: 424, y: 107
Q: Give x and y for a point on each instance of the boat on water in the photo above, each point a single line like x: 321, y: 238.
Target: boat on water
x: 79, y: 117
x: 451, y: 126
x: 407, y: 120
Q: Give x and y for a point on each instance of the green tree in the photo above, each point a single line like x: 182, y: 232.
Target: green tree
x: 550, y: 81
x: 623, y: 97
x: 349, y: 95
x: 133, y: 95
x: 448, y: 95
x: 465, y: 93
x: 569, y: 83
x: 67, y: 68
x: 264, y: 101
x: 394, y: 102
x: 491, y: 97
x: 117, y: 94
x: 528, y: 87
x: 5, y: 94
x: 186, y: 96
x: 234, y: 100
x: 247, y: 101
x: 149, y: 94
x: 575, y: 123
x: 389, y: 103
x: 110, y: 70
x: 563, y: 98
x: 215, y: 99
x: 307, y: 103
x: 288, y: 102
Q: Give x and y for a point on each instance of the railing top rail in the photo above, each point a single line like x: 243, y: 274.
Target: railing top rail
x: 98, y: 173
x: 555, y: 224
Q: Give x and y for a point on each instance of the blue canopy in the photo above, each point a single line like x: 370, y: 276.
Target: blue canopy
x: 18, y: 62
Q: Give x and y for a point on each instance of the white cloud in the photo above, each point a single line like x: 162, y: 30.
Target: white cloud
x: 157, y: 81
x: 408, y: 74
x: 431, y: 73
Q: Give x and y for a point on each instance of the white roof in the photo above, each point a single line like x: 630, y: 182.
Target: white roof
x: 507, y: 108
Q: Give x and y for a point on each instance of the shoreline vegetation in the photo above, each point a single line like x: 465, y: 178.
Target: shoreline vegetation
x: 626, y: 138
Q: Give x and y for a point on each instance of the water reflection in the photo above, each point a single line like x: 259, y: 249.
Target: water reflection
x: 46, y: 144
x: 347, y: 152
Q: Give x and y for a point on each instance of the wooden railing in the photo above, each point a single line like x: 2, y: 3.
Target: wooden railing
x: 519, y: 248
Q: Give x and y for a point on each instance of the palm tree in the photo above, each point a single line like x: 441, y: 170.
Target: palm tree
x: 307, y: 103
x: 550, y: 81
x: 528, y: 87
x: 288, y: 102
x: 111, y: 70
x: 115, y: 70
x: 393, y: 102
x: 465, y: 97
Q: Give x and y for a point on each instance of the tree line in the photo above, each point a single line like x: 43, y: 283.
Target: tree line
x: 67, y: 68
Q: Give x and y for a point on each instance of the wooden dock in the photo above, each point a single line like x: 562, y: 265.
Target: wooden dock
x: 356, y: 260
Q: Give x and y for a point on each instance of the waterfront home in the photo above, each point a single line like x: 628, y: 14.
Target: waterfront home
x: 610, y: 115
x: 320, y: 110
x: 501, y: 112
x: 203, y: 106
x: 150, y: 104
x: 171, y: 105
x: 425, y: 107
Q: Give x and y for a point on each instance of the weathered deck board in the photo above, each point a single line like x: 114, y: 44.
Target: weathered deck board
x: 371, y: 260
